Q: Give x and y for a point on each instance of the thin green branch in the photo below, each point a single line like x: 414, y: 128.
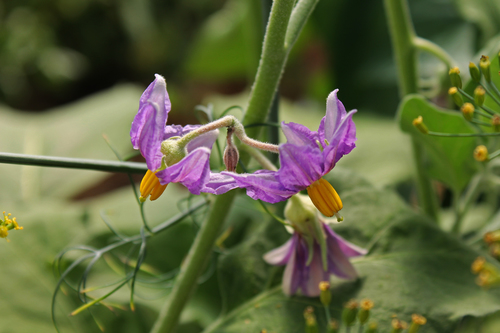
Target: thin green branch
x: 434, y: 49
x: 73, y: 163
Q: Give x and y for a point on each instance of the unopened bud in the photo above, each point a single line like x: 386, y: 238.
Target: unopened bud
x: 495, y: 250
x: 325, y: 296
x: 398, y: 325
x: 311, y: 324
x: 468, y: 111
x: 484, y: 64
x: 474, y: 72
x: 457, y: 98
x: 491, y: 237
x: 231, y: 154
x: 481, y: 153
x: 478, y: 265
x: 349, y: 313
x: 366, y: 305
x: 495, y: 122
x: 333, y: 326
x: 419, y: 124
x: 456, y: 80
x: 309, y: 311
x: 479, y: 93
x: 416, y: 321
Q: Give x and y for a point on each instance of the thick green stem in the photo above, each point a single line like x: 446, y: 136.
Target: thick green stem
x: 405, y: 52
x: 436, y: 50
x: 73, y: 163
x: 271, y: 66
x: 194, y: 265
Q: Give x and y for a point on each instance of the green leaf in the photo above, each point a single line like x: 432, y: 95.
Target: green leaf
x: 448, y: 159
x: 412, y: 267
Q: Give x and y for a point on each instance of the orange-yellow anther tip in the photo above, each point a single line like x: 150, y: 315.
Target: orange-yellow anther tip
x: 324, y: 197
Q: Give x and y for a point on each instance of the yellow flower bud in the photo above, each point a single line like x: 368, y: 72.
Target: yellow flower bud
x: 481, y: 153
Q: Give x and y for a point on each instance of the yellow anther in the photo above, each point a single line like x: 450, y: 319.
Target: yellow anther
x: 16, y: 226
x: 419, y: 124
x: 324, y: 197
x: 366, y: 304
x: 418, y: 319
x: 4, y: 232
x: 481, y: 153
x: 324, y: 285
x: 478, y: 265
x: 150, y: 185
x: 468, y: 111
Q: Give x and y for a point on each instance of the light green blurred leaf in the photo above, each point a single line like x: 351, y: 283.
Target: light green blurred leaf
x: 448, y: 159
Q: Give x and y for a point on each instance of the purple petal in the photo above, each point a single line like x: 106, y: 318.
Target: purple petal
x: 192, y: 171
x: 298, y: 134
x: 348, y: 248
x: 342, y: 142
x: 282, y: 254
x: 338, y: 262
x: 172, y: 130
x: 147, y: 129
x: 262, y: 185
x: 205, y: 140
x: 335, y: 112
x: 150, y: 95
x: 219, y: 184
x: 295, y: 270
x: 300, y: 166
x: 316, y: 274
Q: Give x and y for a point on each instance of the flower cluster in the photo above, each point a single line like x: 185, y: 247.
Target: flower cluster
x: 8, y: 223
x: 181, y: 155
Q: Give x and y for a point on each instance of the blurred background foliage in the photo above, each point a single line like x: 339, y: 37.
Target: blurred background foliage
x: 72, y: 70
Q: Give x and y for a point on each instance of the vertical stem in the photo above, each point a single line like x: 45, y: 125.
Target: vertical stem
x: 405, y: 52
x: 272, y: 63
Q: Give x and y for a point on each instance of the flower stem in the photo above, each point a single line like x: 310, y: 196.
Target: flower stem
x: 436, y: 50
x: 404, y: 42
x: 271, y: 65
x: 73, y: 163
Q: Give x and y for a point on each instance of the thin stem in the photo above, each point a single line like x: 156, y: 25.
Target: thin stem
x: 490, y: 94
x: 405, y: 52
x: 434, y: 49
x: 461, y: 135
x: 470, y: 196
x: 484, y: 107
x: 491, y: 84
x: 73, y: 163
x: 327, y: 314
x: 495, y: 154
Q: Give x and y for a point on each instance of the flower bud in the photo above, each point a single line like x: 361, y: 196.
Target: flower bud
x: 479, y: 95
x: 325, y: 296
x: 495, y: 122
x: 416, y: 321
x: 478, y: 265
x: 468, y: 111
x: 457, y: 98
x: 481, y: 153
x: 231, y: 154
x: 333, y: 326
x: 398, y: 325
x: 366, y: 305
x: 4, y: 232
x: 419, y: 124
x: 456, y: 80
x: 349, y: 313
x: 491, y: 237
x: 484, y: 64
x: 474, y: 72
x: 311, y: 324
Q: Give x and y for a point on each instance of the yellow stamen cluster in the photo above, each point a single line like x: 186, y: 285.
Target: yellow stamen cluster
x: 487, y: 274
x: 468, y: 111
x: 481, y: 153
x: 419, y: 124
x: 324, y: 197
x: 7, y: 224
x: 366, y: 304
x: 492, y: 239
x: 150, y: 186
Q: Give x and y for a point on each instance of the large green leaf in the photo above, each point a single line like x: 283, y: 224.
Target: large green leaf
x: 412, y: 267
x: 449, y: 159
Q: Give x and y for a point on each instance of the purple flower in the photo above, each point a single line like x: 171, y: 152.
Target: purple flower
x: 305, y: 158
x: 305, y: 271
x: 189, y: 167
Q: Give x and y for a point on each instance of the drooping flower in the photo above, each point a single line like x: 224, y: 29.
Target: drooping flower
x: 305, y: 158
x: 188, y: 165
x: 313, y: 253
